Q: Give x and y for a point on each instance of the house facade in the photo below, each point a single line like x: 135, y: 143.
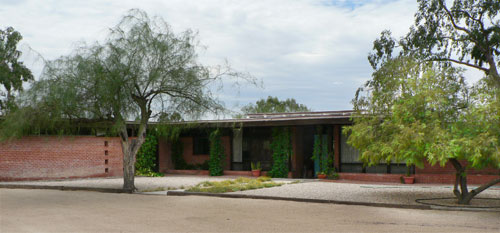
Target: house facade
x: 244, y: 141
x: 248, y: 140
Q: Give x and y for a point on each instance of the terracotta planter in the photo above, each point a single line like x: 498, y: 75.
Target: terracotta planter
x: 256, y: 173
x: 409, y: 179
x: 321, y: 176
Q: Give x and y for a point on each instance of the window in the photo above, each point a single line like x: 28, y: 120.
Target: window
x: 201, y: 146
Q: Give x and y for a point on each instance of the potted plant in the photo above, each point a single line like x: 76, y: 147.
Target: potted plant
x: 322, y: 175
x: 409, y: 179
x: 256, y: 169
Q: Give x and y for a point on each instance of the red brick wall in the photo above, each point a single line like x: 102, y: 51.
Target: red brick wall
x: 165, y: 156
x: 449, y: 169
x: 419, y: 178
x: 188, y: 152
x: 55, y: 157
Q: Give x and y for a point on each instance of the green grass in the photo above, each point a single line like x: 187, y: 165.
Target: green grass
x: 239, y: 184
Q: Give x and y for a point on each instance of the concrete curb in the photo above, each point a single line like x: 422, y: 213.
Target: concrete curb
x: 232, y: 195
x: 63, y: 188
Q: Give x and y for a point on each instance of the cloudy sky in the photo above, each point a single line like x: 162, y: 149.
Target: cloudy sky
x: 311, y: 50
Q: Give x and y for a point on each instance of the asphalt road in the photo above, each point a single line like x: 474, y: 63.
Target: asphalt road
x: 25, y: 210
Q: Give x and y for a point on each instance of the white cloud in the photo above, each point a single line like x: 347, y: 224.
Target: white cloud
x: 311, y: 50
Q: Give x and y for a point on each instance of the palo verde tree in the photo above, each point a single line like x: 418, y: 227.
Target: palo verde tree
x: 274, y: 105
x: 141, y: 72
x: 419, y: 111
x: 12, y: 71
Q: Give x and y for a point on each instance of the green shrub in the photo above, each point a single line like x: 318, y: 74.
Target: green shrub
x: 146, y: 157
x: 333, y: 176
x: 149, y: 173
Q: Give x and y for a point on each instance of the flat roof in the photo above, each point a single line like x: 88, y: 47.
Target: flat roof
x: 276, y: 119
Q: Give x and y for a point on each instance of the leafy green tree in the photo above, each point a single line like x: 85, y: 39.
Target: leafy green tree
x: 274, y: 105
x: 12, y: 71
x: 142, y: 71
x: 415, y: 112
x: 459, y: 32
x: 465, y: 33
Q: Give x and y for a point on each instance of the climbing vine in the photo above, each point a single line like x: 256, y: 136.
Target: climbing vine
x: 321, y: 153
x: 281, y: 149
x: 216, y: 161
x: 317, y: 151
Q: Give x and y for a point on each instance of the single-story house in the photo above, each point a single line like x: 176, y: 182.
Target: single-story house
x: 245, y: 140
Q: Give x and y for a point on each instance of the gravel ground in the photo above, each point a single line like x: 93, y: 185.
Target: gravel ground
x: 373, y: 193
x: 312, y: 189
x: 141, y: 183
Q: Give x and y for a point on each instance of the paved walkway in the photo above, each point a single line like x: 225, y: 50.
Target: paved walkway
x: 394, y: 194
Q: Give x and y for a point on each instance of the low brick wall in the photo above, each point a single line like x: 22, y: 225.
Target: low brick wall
x: 58, y: 157
x: 450, y: 179
x: 449, y: 169
x: 391, y: 178
x: 419, y: 178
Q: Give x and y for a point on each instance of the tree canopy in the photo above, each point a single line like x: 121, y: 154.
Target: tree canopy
x: 465, y: 33
x: 12, y: 71
x: 419, y: 112
x: 417, y: 106
x: 143, y: 71
x: 274, y: 105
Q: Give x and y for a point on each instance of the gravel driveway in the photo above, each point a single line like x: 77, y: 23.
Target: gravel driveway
x: 309, y: 189
x: 141, y: 183
x: 373, y: 193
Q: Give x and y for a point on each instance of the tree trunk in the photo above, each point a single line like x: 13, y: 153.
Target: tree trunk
x: 493, y: 72
x: 128, y: 169
x: 463, y: 195
x: 130, y: 147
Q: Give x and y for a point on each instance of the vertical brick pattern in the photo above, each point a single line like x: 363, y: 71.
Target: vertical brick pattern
x: 54, y: 157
